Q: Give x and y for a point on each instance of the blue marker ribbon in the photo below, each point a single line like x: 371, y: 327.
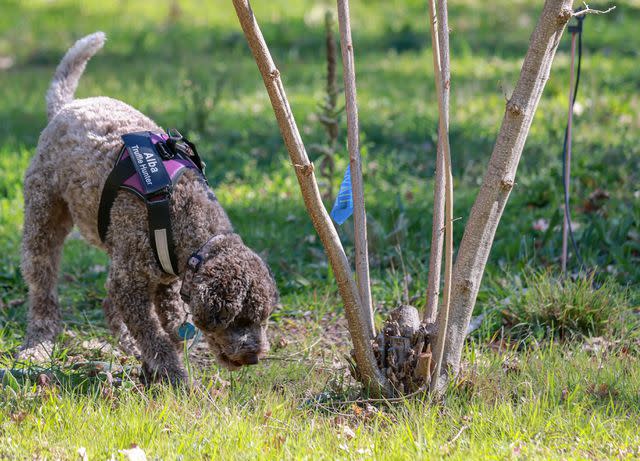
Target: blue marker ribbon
x: 343, y: 207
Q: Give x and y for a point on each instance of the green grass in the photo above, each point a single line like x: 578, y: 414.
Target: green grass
x: 190, y: 68
x: 540, y: 306
x: 541, y: 404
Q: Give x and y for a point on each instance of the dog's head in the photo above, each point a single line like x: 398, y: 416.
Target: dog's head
x: 232, y: 296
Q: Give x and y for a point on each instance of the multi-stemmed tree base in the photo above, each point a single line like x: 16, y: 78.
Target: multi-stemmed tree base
x: 398, y: 360
x: 402, y: 350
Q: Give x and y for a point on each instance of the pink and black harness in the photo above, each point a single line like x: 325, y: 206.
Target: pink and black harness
x: 149, y: 165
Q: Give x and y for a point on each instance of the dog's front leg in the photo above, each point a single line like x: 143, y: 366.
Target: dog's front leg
x: 171, y: 310
x: 130, y: 294
x: 119, y: 329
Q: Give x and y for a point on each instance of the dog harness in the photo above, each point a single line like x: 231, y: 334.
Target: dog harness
x: 149, y: 165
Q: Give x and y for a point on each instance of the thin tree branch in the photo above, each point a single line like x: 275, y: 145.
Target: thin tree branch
x: 441, y: 53
x: 329, y: 116
x: 588, y: 10
x: 499, y: 180
x: 438, y: 226
x: 353, y: 143
x: 437, y: 241
x: 370, y: 375
x: 457, y: 436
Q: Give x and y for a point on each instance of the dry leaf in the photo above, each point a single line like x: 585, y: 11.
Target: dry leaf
x: 43, y: 380
x: 15, y: 302
x: 134, y: 453
x: 347, y: 432
x: 19, y: 416
x: 82, y: 454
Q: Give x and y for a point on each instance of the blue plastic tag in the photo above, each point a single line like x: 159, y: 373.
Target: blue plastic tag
x: 187, y: 331
x: 343, y: 208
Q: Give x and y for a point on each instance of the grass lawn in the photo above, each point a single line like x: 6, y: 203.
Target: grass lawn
x: 550, y: 373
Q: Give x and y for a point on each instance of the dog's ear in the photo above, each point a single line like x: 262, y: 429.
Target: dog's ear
x: 218, y: 306
x: 262, y: 295
x: 220, y: 291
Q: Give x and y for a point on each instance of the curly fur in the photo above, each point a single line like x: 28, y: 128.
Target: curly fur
x: 234, y: 291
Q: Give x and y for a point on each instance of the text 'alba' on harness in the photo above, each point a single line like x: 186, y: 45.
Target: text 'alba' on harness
x: 149, y: 165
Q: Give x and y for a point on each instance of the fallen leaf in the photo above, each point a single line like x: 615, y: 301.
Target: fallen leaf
x: 598, y: 345
x: 511, y: 364
x: 43, y: 380
x: 602, y: 390
x: 135, y: 453
x: 82, y: 454
x: 347, y: 432
x: 18, y: 417
x: 6, y: 62
x: 596, y: 200
x: 517, y: 450
x: 15, y: 302
x: 98, y: 345
x: 541, y: 225
x: 278, y: 441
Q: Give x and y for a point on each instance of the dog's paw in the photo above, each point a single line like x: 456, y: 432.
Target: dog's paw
x: 175, y: 376
x: 39, y: 352
x: 128, y: 346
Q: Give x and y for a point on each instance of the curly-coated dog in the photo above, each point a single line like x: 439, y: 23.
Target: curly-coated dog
x: 231, y: 294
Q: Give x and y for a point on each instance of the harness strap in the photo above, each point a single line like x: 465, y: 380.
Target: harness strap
x: 161, y: 236
x: 141, y: 158
x: 120, y: 173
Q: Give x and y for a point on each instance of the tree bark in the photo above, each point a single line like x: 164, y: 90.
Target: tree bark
x: 443, y: 140
x: 365, y: 360
x: 437, y: 233
x: 499, y: 180
x: 353, y: 144
x: 329, y: 116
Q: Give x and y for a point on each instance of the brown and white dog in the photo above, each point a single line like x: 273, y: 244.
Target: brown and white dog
x: 232, y: 293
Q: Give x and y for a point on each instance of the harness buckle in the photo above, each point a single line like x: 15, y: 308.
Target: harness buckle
x: 195, y: 261
x: 165, y: 151
x: 162, y: 195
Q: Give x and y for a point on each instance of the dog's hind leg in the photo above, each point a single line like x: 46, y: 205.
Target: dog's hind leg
x: 131, y: 296
x: 47, y: 222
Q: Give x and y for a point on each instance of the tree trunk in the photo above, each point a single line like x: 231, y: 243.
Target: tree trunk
x: 353, y: 143
x: 368, y: 370
x: 499, y: 180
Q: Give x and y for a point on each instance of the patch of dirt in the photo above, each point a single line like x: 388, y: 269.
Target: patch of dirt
x: 301, y: 337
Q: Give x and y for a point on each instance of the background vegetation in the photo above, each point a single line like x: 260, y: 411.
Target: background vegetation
x: 551, y: 372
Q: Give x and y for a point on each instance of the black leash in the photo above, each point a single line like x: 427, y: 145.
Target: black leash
x: 575, y: 29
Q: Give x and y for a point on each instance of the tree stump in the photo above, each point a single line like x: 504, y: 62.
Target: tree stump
x: 403, y: 351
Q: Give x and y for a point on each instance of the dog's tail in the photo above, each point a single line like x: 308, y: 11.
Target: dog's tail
x: 65, y: 80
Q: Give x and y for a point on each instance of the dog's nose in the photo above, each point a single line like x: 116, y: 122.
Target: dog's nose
x: 249, y: 359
